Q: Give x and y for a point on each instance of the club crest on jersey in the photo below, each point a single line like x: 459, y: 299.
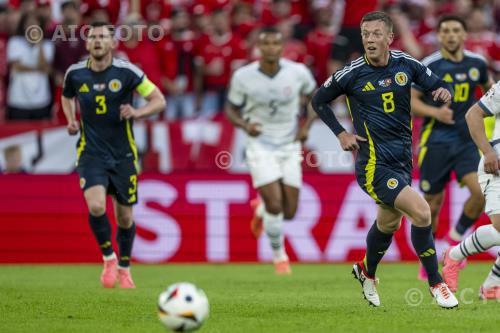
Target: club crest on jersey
x: 115, y: 85
x: 99, y: 86
x: 385, y: 83
x: 392, y: 183
x: 425, y: 185
x: 474, y: 74
x: 328, y: 82
x: 401, y: 79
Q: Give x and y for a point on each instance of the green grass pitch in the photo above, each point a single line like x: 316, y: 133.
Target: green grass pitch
x: 243, y: 298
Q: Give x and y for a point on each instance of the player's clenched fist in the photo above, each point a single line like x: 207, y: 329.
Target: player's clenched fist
x: 128, y: 112
x: 349, y: 141
x: 253, y: 129
x: 491, y: 163
x: 73, y: 127
x: 441, y: 95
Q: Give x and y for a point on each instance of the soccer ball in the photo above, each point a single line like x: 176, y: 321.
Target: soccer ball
x: 183, y: 307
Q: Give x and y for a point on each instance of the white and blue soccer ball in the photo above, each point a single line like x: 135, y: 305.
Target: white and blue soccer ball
x: 183, y: 307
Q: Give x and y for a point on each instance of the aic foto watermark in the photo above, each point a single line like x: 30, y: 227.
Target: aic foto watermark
x: 313, y: 159
x: 415, y: 297
x: 74, y: 33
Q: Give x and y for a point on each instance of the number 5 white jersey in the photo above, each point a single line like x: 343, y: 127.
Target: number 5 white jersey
x: 272, y: 101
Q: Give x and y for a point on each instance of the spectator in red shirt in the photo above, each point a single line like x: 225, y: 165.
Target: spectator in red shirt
x: 139, y: 49
x: 347, y: 45
x: 218, y: 55
x: 480, y: 37
x: 319, y: 42
x: 68, y: 50
x: 181, y: 98
x: 103, y: 11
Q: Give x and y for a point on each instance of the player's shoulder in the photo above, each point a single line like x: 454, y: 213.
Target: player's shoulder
x: 76, y: 67
x: 475, y: 57
x: 433, y: 58
x: 404, y: 57
x: 350, y: 69
x: 125, y: 65
x: 246, y: 71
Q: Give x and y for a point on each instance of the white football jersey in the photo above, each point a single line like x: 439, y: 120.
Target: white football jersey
x: 490, y: 103
x: 274, y: 102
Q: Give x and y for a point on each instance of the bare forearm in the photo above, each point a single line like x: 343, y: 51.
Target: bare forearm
x: 419, y: 108
x: 233, y: 114
x: 69, y: 109
x: 474, y: 118
x: 156, y: 103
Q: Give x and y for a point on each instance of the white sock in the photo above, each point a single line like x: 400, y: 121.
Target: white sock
x: 110, y: 257
x: 273, y: 225
x: 260, y: 210
x: 484, y: 238
x: 455, y: 235
x: 493, y: 279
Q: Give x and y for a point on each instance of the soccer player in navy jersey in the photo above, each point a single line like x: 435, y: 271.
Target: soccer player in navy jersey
x: 378, y: 90
x: 445, y: 143
x: 107, y: 160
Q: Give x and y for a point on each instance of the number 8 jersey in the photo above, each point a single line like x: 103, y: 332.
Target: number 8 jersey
x: 272, y: 101
x: 104, y: 135
x: 378, y: 99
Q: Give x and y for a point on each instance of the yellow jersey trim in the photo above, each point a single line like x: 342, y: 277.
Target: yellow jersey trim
x: 133, y: 147
x: 81, y: 146
x: 370, y: 167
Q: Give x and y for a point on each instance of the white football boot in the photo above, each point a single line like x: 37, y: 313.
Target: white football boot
x: 368, y: 285
x: 443, y: 296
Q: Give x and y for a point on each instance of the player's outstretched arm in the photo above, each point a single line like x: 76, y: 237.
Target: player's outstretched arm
x: 155, y: 104
x: 474, y: 118
x: 69, y: 109
x: 303, y: 132
x: 443, y: 114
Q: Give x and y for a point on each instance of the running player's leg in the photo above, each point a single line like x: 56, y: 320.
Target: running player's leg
x: 378, y: 240
x: 490, y: 289
x: 125, y: 238
x: 412, y: 205
x: 272, y: 197
x: 379, y: 237
x: 435, y: 202
x: 290, y: 200
x: 95, y: 197
x: 473, y: 207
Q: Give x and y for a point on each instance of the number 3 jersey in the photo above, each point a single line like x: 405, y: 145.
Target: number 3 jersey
x: 464, y: 77
x: 378, y: 99
x: 272, y: 101
x: 104, y: 134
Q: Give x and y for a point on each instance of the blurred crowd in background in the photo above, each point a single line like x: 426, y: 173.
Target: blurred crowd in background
x: 189, y: 48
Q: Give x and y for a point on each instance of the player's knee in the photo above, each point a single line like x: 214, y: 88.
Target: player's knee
x: 422, y: 217
x: 97, y: 208
x: 390, y: 228
x: 125, y: 221
x: 477, y: 199
x: 274, y: 207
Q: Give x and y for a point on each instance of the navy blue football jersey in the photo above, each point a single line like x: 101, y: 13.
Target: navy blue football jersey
x: 378, y: 99
x: 104, y: 135
x: 464, y: 76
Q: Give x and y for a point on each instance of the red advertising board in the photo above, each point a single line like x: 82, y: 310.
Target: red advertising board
x: 200, y: 217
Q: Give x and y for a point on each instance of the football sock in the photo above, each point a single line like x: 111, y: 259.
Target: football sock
x: 273, y: 225
x: 484, y: 238
x: 260, y: 210
x: 423, y: 242
x: 102, y: 232
x: 493, y: 279
x: 463, y: 224
x: 125, y: 240
x: 377, y: 244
